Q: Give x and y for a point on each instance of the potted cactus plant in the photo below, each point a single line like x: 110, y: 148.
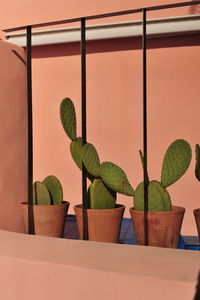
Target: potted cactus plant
x: 164, y: 220
x: 104, y: 216
x: 197, y: 174
x: 49, y: 209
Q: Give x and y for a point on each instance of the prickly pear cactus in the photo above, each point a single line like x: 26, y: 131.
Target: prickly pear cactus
x: 41, y: 194
x: 100, y: 196
x: 76, y: 152
x: 68, y: 118
x: 197, y: 166
x: 115, y: 178
x: 176, y: 162
x: 158, y: 197
x: 91, y: 159
x: 54, y: 188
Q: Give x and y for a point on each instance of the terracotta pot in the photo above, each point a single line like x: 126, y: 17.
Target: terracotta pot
x: 197, y: 219
x: 103, y: 224
x: 49, y: 220
x: 163, y: 227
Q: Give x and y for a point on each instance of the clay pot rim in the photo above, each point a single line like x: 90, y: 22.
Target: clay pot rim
x: 175, y: 209
x: 64, y: 203
x: 196, y: 211
x: 119, y: 206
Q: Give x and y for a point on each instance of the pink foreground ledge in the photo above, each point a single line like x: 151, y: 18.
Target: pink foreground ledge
x: 41, y: 268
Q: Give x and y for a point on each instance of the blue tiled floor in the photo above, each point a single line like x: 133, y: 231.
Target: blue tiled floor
x: 127, y: 235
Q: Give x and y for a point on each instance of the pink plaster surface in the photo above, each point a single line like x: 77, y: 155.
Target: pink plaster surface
x: 13, y: 136
x: 42, y: 268
x: 18, y: 13
x: 114, y: 98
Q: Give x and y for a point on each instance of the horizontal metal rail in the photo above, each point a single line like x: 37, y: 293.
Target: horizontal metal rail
x: 106, y: 15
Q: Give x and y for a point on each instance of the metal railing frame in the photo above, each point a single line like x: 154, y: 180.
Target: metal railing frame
x: 82, y: 21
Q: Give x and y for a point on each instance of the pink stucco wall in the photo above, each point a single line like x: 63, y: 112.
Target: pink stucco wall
x: 16, y: 13
x: 13, y: 136
x: 114, y: 99
x: 42, y: 268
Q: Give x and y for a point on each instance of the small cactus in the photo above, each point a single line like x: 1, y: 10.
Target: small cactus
x: 197, y: 166
x: 176, y: 162
x: 68, y: 118
x: 47, y: 192
x: 41, y: 194
x: 115, y: 178
x: 158, y: 197
x: 54, y: 187
x: 91, y: 159
x: 100, y: 196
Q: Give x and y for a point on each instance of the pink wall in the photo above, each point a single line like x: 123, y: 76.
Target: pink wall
x: 13, y: 136
x: 16, y: 13
x: 114, y: 98
x: 115, y: 111
x: 42, y: 268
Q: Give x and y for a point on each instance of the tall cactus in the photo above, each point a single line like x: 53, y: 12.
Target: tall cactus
x: 107, y: 178
x: 176, y: 162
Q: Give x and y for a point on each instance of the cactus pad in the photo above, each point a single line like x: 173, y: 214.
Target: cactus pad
x: 197, y: 166
x: 158, y: 197
x: 100, y: 196
x: 91, y: 159
x: 76, y: 151
x: 176, y: 162
x: 115, y: 178
x: 55, y: 189
x: 41, y: 195
x: 68, y: 118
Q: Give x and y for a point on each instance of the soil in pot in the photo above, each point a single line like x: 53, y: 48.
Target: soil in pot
x: 103, y: 224
x: 49, y: 220
x: 163, y: 227
x: 197, y: 219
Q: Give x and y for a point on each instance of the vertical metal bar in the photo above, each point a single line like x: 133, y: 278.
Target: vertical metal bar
x: 30, y: 130
x: 83, y: 111
x: 146, y: 181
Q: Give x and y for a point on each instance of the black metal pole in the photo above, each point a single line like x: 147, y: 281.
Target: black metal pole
x: 146, y: 181
x: 83, y: 112
x: 30, y: 130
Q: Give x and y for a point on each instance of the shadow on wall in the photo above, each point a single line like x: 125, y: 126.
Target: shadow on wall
x: 197, y: 294
x: 118, y: 44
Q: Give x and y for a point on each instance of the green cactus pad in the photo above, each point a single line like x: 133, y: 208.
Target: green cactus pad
x: 176, y: 162
x: 197, y: 166
x: 76, y: 151
x: 55, y: 189
x: 68, y: 118
x: 100, y: 196
x: 91, y: 159
x: 41, y: 195
x: 115, y: 178
x: 158, y: 197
